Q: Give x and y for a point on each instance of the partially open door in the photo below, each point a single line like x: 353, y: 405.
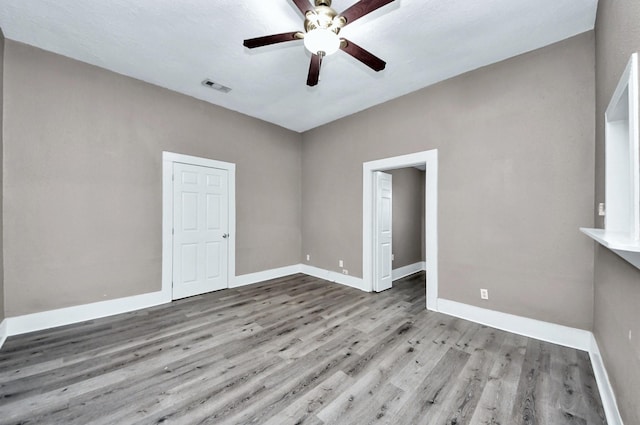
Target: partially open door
x: 383, y: 232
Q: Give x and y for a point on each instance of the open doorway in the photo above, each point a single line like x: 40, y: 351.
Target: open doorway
x: 407, y: 221
x: 427, y: 160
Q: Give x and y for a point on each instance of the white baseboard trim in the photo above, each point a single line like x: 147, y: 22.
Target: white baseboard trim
x: 65, y: 316
x: 405, y: 271
x: 343, y: 279
x: 604, y: 385
x: 544, y: 331
x: 251, y: 278
x: 3, y: 332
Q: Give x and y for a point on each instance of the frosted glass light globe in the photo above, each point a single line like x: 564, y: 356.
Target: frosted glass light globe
x: 322, y: 40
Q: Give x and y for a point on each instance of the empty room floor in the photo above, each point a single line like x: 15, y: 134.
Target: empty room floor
x: 296, y: 350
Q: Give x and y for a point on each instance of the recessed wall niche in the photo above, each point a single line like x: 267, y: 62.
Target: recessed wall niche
x: 621, y: 231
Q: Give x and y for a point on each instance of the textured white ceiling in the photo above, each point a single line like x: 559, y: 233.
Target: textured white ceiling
x: 178, y: 43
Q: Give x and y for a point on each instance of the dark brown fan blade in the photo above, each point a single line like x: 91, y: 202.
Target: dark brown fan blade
x: 361, y: 8
x: 252, y: 43
x: 303, y: 5
x: 314, y: 70
x: 362, y: 55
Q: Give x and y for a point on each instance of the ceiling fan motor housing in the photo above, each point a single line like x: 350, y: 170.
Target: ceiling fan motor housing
x: 323, y: 17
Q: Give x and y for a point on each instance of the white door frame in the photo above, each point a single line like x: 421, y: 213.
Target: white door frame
x: 168, y: 159
x: 428, y: 159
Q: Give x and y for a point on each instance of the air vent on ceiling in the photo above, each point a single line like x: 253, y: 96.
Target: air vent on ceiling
x: 216, y: 86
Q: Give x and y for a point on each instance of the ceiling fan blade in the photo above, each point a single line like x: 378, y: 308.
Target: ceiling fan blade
x: 314, y: 70
x: 303, y: 5
x: 361, y: 8
x: 362, y: 55
x: 273, y: 39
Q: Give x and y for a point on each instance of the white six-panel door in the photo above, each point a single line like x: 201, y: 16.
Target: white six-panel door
x: 200, y: 230
x: 383, y: 231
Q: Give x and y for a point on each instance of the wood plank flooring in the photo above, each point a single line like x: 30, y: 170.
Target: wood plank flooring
x: 296, y: 350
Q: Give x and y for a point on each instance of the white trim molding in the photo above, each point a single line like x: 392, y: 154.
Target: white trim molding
x: 168, y: 159
x: 69, y: 315
x: 331, y: 276
x: 405, y: 271
x: 607, y: 395
x: 251, y: 278
x: 544, y: 331
x: 532, y: 328
x: 66, y: 316
x: 3, y: 332
x: 428, y: 159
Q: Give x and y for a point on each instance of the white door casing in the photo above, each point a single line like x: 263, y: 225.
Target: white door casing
x: 383, y: 231
x: 200, y: 229
x: 425, y: 160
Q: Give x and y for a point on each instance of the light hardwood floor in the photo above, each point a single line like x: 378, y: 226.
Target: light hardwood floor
x: 296, y: 350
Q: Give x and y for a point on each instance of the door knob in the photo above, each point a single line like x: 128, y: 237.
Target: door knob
x: 226, y: 235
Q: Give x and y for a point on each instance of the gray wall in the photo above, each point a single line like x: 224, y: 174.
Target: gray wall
x: 83, y: 150
x: 516, y: 170
x: 2, y: 314
x: 408, y: 216
x: 617, y: 283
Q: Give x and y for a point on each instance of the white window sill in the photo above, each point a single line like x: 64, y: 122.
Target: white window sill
x: 619, y: 242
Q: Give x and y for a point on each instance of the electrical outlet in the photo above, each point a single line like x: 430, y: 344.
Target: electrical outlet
x: 340, y: 263
x: 484, y: 294
x: 308, y: 257
x: 393, y: 257
x: 345, y: 271
x: 601, y: 210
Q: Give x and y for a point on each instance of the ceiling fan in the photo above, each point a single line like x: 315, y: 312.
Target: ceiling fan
x: 322, y: 25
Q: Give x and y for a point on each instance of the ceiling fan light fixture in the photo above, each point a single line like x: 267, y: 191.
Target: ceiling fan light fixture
x: 322, y: 40
x: 322, y: 24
